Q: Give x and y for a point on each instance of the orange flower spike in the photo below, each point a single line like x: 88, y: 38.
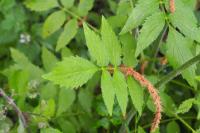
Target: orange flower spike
x: 172, y: 7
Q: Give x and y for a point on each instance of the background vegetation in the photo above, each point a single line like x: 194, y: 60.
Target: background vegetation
x: 158, y: 38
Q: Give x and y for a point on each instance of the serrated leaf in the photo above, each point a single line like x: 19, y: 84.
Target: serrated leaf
x: 72, y: 72
x: 136, y: 93
x: 142, y: 10
x: 128, y: 50
x: 53, y: 22
x: 96, y: 47
x: 121, y: 91
x: 150, y: 31
x: 65, y: 100
x: 68, y: 34
x: 84, y: 6
x: 178, y: 53
x: 41, y: 5
x: 187, y: 23
x: 108, y: 91
x: 48, y: 59
x: 185, y: 106
x: 111, y: 42
x: 67, y: 3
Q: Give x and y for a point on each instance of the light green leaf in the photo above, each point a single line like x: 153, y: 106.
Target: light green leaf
x: 108, y: 91
x: 178, y: 53
x: 48, y: 59
x: 68, y: 34
x: 185, y: 106
x: 128, y: 49
x: 50, y: 130
x: 46, y: 108
x: 65, y: 100
x: 136, y: 93
x: 41, y: 5
x: 96, y: 47
x: 84, y: 6
x: 150, y: 31
x: 53, y: 23
x: 121, y: 91
x: 67, y: 3
x: 141, y: 130
x: 173, y: 127
x: 111, y: 43
x: 142, y: 10
x: 72, y: 72
x: 187, y: 23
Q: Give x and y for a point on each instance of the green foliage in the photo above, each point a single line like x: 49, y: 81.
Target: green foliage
x: 108, y: 91
x: 68, y: 34
x: 111, y: 43
x: 72, y: 72
x: 61, y: 63
x: 53, y: 23
x: 150, y: 31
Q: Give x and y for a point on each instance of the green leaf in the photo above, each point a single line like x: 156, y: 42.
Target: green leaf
x: 53, y: 23
x: 121, y: 91
x: 48, y: 59
x: 108, y: 91
x: 142, y: 10
x: 68, y: 34
x: 72, y: 72
x: 41, y: 5
x: 128, y: 50
x: 66, y: 126
x: 85, y: 98
x: 65, y: 100
x: 84, y: 6
x: 46, y: 108
x: 185, y: 106
x: 96, y: 47
x: 150, y: 31
x: 178, y: 53
x: 141, y: 130
x: 111, y: 43
x: 173, y: 127
x: 187, y: 23
x: 23, y: 63
x: 50, y: 130
x: 136, y: 93
x: 67, y: 3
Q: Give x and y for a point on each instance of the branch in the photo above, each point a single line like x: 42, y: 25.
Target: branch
x: 178, y: 71
x: 17, y: 110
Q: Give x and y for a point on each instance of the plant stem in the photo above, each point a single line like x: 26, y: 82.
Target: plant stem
x: 17, y: 110
x: 178, y: 71
x: 79, y: 18
x: 185, y: 123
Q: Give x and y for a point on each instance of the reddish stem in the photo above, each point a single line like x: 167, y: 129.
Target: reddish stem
x: 172, y: 7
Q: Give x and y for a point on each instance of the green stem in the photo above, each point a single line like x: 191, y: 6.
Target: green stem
x: 178, y: 71
x: 79, y: 18
x: 185, y: 123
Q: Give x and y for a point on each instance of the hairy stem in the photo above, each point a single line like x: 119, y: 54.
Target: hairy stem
x: 178, y: 71
x: 17, y: 110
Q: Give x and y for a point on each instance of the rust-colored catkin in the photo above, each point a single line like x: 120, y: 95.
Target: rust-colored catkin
x: 172, y: 7
x: 153, y: 92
